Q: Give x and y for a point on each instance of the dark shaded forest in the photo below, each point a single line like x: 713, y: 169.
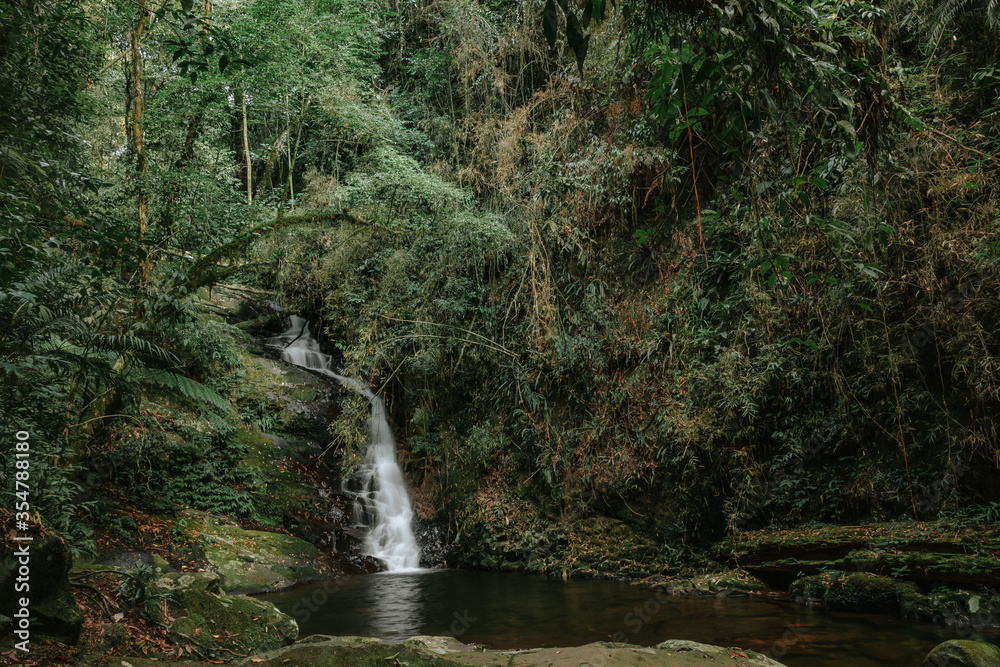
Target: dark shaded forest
x: 649, y: 287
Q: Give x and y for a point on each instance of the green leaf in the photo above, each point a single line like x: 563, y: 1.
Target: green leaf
x: 600, y: 6
x: 576, y: 39
x: 550, y: 22
x: 223, y: 62
x: 847, y: 126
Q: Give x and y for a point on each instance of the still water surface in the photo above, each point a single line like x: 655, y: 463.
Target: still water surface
x: 507, y: 610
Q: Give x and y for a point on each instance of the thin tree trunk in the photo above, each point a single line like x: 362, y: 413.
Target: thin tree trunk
x: 294, y: 150
x: 141, y: 167
x: 291, y: 188
x: 246, y: 150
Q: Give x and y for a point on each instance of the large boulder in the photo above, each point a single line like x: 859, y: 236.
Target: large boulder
x: 253, y: 561
x: 50, y: 596
x: 963, y: 653
x: 199, y: 614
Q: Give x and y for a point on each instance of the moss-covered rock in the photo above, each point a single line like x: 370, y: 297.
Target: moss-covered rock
x: 857, y: 591
x: 731, y: 583
x: 108, y: 636
x: 953, y: 606
x: 716, y: 653
x: 51, y: 602
x: 963, y: 653
x: 321, y: 651
x: 588, y: 547
x: 253, y: 561
x: 199, y: 614
x: 927, y: 553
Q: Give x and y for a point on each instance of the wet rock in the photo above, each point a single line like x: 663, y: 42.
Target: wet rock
x: 735, y: 583
x: 199, y: 614
x: 963, y: 653
x: 433, y: 541
x: 361, y: 564
x: 52, y: 604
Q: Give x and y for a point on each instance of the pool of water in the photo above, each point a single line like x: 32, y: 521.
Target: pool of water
x: 508, y: 610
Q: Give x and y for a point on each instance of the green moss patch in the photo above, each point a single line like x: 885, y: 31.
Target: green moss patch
x: 925, y: 553
x: 249, y: 561
x: 858, y: 591
x: 963, y: 653
x: 217, y: 625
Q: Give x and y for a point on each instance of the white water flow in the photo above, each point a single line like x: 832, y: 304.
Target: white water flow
x: 382, y: 503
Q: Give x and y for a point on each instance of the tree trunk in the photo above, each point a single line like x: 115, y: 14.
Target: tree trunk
x: 141, y: 167
x: 246, y: 150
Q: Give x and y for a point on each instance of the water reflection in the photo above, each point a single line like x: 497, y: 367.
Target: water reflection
x: 387, y: 605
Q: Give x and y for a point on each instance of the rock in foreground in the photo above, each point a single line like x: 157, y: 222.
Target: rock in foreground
x: 197, y: 613
x: 323, y: 651
x: 963, y: 653
x: 53, y: 607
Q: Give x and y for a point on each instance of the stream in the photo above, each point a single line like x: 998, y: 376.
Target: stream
x: 510, y: 610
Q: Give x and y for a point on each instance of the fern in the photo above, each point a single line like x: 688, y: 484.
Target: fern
x: 193, y: 391
x: 948, y: 10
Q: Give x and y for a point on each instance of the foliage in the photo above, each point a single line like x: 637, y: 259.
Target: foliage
x: 738, y: 271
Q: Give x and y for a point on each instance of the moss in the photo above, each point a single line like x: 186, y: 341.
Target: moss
x: 322, y: 651
x: 963, y: 653
x: 201, y: 615
x: 858, y: 591
x: 109, y: 636
x: 732, y: 582
x: 252, y: 560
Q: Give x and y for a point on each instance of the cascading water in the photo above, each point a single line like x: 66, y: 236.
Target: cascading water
x: 382, y: 503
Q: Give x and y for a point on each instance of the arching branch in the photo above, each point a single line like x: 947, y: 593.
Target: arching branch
x: 208, y: 270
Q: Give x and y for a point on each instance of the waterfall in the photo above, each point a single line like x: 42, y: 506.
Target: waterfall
x: 382, y: 503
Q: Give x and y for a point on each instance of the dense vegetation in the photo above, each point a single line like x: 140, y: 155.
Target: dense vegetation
x: 696, y: 267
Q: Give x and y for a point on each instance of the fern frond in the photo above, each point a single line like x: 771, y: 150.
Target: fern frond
x: 127, y: 343
x: 193, y: 391
x: 944, y: 15
x: 993, y: 13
